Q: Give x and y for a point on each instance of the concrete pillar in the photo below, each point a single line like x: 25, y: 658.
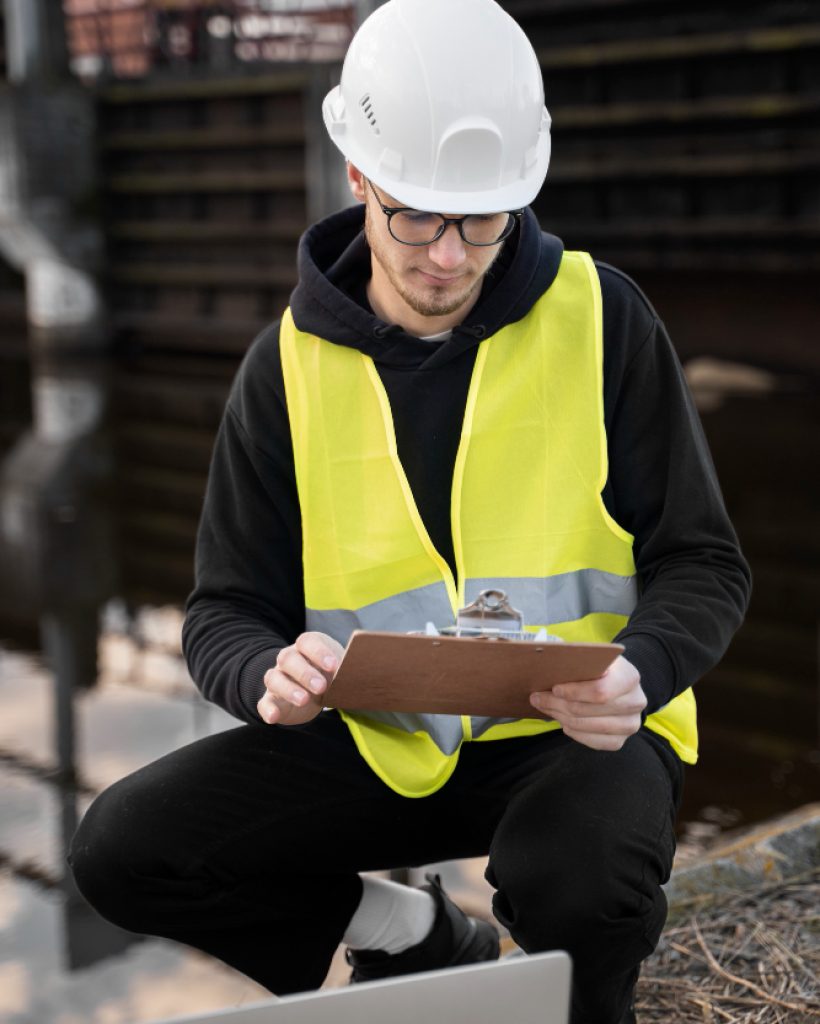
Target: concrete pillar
x: 56, y: 530
x: 35, y: 41
x: 55, y: 533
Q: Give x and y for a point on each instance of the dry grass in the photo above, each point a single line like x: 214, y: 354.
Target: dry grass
x: 739, y: 958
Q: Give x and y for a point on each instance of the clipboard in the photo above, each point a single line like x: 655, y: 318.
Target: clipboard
x: 458, y: 675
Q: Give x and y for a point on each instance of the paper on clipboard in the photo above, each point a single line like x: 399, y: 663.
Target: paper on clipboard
x: 458, y: 675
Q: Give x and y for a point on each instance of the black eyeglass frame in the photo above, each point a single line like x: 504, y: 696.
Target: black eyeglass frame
x: 391, y: 211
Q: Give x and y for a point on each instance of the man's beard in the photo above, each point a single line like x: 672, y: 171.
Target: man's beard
x: 432, y: 304
x: 437, y: 301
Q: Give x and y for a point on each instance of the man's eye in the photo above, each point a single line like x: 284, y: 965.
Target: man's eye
x: 419, y: 217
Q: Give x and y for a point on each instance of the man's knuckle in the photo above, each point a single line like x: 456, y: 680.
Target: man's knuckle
x: 307, y: 676
x: 306, y: 642
x: 267, y: 709
x: 271, y: 679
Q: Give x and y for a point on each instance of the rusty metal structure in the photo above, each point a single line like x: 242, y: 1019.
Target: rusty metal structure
x: 686, y: 152
x: 135, y: 38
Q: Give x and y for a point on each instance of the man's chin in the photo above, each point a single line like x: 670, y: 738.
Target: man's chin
x: 437, y: 301
x: 437, y: 309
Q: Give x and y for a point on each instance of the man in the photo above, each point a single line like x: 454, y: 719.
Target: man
x: 451, y: 402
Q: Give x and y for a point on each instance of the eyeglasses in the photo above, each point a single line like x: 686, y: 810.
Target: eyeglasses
x: 416, y: 227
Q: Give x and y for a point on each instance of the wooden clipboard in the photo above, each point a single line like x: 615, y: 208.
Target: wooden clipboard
x: 458, y: 675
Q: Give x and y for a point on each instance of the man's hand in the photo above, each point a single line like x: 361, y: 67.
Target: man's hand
x: 600, y: 713
x: 294, y: 689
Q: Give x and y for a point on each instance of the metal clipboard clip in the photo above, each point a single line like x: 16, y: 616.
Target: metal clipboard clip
x: 491, y: 617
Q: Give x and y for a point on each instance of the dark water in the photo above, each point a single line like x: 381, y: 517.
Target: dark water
x: 759, y: 711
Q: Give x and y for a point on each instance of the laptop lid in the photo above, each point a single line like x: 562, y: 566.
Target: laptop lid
x: 515, y: 990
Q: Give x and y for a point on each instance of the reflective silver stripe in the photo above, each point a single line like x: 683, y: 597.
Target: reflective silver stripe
x: 562, y: 598
x: 398, y: 614
x: 480, y: 725
x: 445, y: 730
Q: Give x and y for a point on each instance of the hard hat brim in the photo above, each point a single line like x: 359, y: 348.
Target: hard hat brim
x: 512, y: 196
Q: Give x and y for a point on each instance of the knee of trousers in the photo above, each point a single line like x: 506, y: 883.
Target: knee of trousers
x: 592, y: 908
x: 116, y: 856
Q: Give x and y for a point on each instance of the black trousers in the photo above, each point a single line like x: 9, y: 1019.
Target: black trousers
x: 248, y: 844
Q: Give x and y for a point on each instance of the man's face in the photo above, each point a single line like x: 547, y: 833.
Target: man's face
x: 434, y: 280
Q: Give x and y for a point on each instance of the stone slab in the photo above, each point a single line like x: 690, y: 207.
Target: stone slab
x: 785, y: 847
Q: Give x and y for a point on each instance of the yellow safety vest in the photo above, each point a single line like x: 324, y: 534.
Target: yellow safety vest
x: 526, y: 508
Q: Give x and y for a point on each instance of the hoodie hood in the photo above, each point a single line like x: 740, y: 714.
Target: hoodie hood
x: 334, y: 264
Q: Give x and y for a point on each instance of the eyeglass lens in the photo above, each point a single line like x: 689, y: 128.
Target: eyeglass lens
x: 415, y: 227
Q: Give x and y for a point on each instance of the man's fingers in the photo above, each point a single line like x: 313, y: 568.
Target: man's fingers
x: 597, y: 741
x: 314, y: 647
x: 283, y: 692
x: 269, y: 710
x: 301, y: 675
x: 593, y: 691
x: 277, y: 711
x: 600, y: 713
x: 612, y: 725
x: 294, y: 708
x: 607, y: 688
x: 620, y: 678
x: 294, y: 668
x: 628, y: 704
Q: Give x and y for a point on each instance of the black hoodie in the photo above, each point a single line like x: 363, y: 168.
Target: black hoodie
x: 248, y: 601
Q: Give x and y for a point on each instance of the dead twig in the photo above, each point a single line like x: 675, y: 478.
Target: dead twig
x: 744, y: 983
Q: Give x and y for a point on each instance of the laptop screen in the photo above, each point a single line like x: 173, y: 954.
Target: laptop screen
x: 514, y: 990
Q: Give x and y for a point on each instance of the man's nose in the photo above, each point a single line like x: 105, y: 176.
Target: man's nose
x: 449, y: 251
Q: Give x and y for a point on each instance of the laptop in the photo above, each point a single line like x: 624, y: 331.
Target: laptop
x: 515, y: 990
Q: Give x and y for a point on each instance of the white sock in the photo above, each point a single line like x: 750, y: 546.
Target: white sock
x: 390, y: 917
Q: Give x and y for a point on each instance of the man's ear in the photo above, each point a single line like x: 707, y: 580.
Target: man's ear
x: 355, y: 179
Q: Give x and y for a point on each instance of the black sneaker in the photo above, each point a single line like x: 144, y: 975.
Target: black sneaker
x: 454, y: 939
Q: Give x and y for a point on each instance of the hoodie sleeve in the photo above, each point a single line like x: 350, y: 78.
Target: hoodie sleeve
x: 694, y: 582
x: 248, y: 598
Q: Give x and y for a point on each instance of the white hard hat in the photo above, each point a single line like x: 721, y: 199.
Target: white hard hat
x: 441, y: 104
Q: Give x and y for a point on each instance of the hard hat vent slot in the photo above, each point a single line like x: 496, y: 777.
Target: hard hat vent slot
x: 367, y: 110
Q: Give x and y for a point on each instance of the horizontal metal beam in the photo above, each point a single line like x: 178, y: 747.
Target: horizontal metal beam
x: 159, y: 91
x: 205, y: 231
x: 706, y: 229
x: 220, y: 137
x: 764, y: 107
x: 190, y: 335
x: 219, y: 275
x: 208, y: 181
x: 681, y: 47
x: 754, y: 164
